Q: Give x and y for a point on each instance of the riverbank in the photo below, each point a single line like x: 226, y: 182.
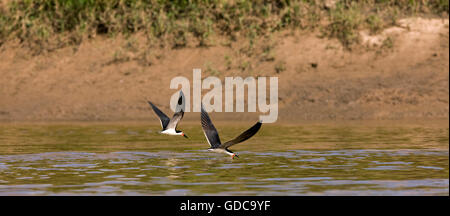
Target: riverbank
x: 398, y: 73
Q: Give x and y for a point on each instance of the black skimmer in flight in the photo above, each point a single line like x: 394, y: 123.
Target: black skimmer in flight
x: 169, y: 126
x: 213, y: 137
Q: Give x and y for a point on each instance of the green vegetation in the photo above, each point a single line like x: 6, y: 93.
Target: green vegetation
x: 51, y: 24
x: 280, y: 67
x: 210, y: 69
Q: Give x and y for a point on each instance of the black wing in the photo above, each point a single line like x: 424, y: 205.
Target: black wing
x: 179, y: 112
x: 244, y: 136
x: 164, y: 120
x: 209, y: 130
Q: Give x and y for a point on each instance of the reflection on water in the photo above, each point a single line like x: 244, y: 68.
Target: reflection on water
x: 136, y: 160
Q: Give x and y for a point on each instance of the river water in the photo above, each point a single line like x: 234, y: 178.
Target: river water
x: 134, y: 159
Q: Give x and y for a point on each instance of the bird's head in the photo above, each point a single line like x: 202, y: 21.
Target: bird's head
x: 234, y: 155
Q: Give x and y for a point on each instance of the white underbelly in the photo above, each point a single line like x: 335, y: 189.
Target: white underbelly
x: 169, y: 132
x: 218, y: 150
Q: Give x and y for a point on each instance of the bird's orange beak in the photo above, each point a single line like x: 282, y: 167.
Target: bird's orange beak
x: 182, y: 134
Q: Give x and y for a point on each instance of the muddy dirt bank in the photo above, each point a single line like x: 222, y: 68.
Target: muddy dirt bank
x: 318, y: 78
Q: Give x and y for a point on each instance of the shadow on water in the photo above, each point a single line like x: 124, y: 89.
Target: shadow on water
x: 280, y: 160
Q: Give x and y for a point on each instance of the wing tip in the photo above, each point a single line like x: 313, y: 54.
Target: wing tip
x: 259, y: 124
x: 202, y: 110
x: 180, y: 99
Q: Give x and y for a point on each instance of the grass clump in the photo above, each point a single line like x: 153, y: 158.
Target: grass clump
x: 344, y: 23
x: 280, y: 67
